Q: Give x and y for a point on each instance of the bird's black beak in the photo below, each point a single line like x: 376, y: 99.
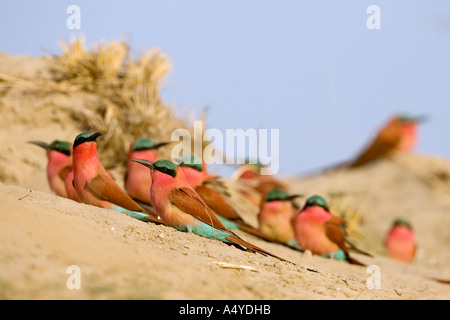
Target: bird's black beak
x: 420, y: 119
x: 295, y: 196
x: 41, y: 144
x: 86, y: 137
x: 161, y: 144
x: 146, y: 163
x: 94, y: 136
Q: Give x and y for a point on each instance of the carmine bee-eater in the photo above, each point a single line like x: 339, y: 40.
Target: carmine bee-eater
x: 194, y: 171
x: 400, y: 241
x: 179, y: 206
x: 250, y: 175
x: 95, y: 186
x: 58, y: 165
x: 277, y: 216
x: 70, y: 189
x: 317, y: 230
x: 137, y: 179
x: 398, y: 136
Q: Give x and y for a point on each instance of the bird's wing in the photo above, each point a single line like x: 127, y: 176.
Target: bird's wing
x: 63, y: 173
x: 105, y: 188
x: 354, y: 248
x: 335, y: 231
x: 111, y: 175
x: 216, y: 202
x: 268, y: 183
x: 380, y: 147
x: 187, y: 200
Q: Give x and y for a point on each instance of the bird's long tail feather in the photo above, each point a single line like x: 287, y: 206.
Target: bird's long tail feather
x: 354, y: 261
x: 255, y: 232
x: 358, y: 250
x: 443, y: 281
x: 141, y: 216
x: 251, y: 247
x: 148, y: 208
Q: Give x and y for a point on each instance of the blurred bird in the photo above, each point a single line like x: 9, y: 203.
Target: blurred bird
x: 400, y: 242
x: 95, y: 186
x: 179, y: 206
x: 248, y: 171
x: 249, y: 175
x: 398, y: 136
x: 196, y: 175
x: 58, y: 165
x: 318, y: 231
x: 194, y: 170
x: 277, y: 216
x: 137, y: 179
x: 70, y: 189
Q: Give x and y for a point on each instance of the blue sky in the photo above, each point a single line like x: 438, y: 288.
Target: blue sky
x: 311, y: 69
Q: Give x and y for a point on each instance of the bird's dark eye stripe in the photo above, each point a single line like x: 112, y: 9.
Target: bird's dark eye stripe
x: 168, y: 171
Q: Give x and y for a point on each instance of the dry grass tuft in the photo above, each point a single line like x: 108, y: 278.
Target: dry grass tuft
x: 356, y: 231
x: 131, y: 89
x: 129, y: 104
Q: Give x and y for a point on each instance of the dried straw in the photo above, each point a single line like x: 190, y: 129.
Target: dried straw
x: 357, y: 233
x: 129, y: 104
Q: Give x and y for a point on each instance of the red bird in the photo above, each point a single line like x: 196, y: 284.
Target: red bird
x: 179, y: 206
x: 318, y: 231
x: 137, y: 179
x: 195, y: 173
x: 277, y: 216
x: 400, y: 242
x: 398, y: 136
x: 58, y: 165
x: 95, y: 186
x: 250, y: 177
x: 70, y: 189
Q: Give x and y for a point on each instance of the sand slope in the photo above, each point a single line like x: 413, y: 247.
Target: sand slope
x: 121, y: 258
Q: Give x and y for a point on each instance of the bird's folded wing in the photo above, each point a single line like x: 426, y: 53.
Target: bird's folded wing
x: 187, y: 200
x: 111, y: 175
x: 105, y: 188
x: 379, y: 148
x: 334, y: 231
x: 216, y: 202
x: 63, y: 173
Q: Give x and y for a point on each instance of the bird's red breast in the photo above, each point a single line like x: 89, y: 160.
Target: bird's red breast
x: 138, y: 180
x: 310, y: 231
x: 276, y: 219
x: 401, y: 243
x: 57, y: 162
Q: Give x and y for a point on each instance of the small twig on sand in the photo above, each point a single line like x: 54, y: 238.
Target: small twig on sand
x: 25, y: 195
